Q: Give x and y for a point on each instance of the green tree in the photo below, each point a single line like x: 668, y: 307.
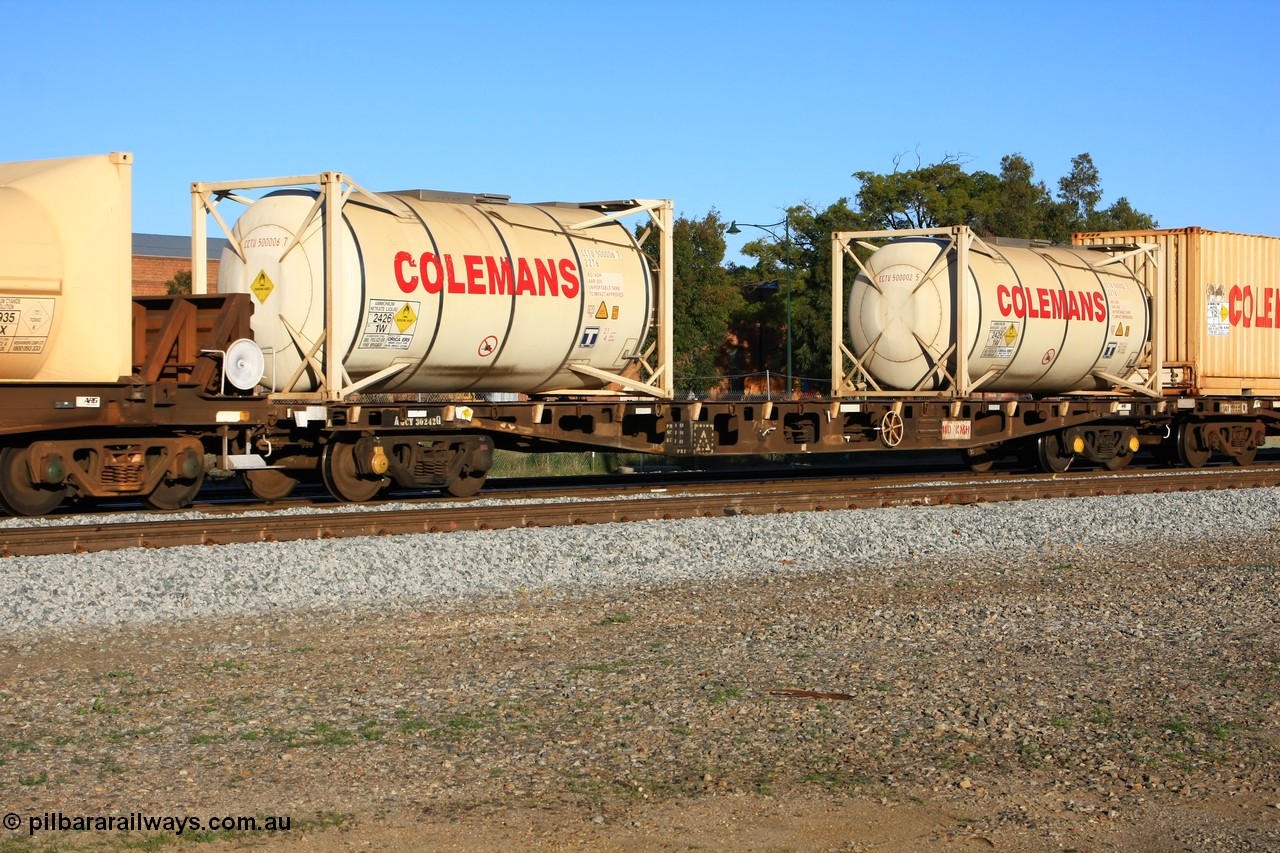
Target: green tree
x: 1121, y: 216
x: 1019, y: 202
x: 1080, y: 190
x: 705, y: 298
x: 795, y: 261
x: 180, y: 284
x: 1011, y: 204
x: 932, y: 196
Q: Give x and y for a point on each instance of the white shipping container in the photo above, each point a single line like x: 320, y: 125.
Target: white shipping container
x: 65, y: 269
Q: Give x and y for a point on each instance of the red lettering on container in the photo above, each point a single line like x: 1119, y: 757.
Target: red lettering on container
x: 406, y: 283
x: 1019, y: 302
x: 500, y: 276
x: 568, y: 273
x: 475, y: 275
x: 487, y: 274
x: 524, y: 278
x: 455, y: 286
x: 429, y: 284
x: 1046, y: 310
x: 1047, y: 304
x: 1086, y: 306
x: 1058, y: 298
x: 547, y: 277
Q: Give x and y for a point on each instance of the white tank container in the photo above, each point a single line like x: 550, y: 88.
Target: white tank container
x: 65, y: 269
x: 471, y: 296
x: 1045, y: 318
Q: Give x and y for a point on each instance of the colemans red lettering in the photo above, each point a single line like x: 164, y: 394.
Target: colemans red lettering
x: 1254, y: 306
x: 1046, y: 304
x: 487, y: 274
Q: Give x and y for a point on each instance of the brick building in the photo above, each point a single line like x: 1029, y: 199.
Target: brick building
x: 157, y: 258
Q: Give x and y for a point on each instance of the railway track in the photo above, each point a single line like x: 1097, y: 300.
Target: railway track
x: 686, y: 500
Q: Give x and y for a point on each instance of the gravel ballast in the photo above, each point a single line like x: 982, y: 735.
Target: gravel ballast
x: 1085, y: 674
x: 140, y: 585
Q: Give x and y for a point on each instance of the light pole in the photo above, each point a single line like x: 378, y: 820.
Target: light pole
x: 786, y: 224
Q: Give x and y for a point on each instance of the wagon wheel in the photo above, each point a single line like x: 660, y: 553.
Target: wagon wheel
x: 342, y: 476
x: 1051, y: 455
x: 19, y: 495
x: 467, y: 483
x: 1120, y: 460
x: 1245, y: 457
x: 1189, y: 451
x: 175, y: 493
x: 270, y: 484
x: 891, y: 429
x: 979, y: 459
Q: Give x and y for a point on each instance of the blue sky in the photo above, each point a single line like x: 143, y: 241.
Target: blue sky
x: 746, y: 107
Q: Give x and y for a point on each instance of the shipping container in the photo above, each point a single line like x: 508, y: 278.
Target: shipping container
x: 65, y: 269
x: 1217, y: 297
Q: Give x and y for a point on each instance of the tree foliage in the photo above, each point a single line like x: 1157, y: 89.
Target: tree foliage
x: 929, y: 196
x: 705, y: 297
x: 180, y: 284
x: 1011, y: 204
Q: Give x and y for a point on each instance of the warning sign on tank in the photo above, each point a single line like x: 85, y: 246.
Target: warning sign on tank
x: 25, y: 324
x: 1001, y: 336
x: 389, y: 324
x: 262, y: 286
x: 1218, y: 316
x: 405, y: 318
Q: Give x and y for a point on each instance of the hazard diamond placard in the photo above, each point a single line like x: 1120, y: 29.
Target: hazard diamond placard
x: 262, y: 286
x: 405, y: 318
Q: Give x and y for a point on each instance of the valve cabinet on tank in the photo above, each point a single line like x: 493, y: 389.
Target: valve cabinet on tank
x: 1220, y: 298
x: 442, y: 292
x: 65, y: 269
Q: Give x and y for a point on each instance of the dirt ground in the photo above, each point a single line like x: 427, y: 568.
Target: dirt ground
x: 1081, y: 701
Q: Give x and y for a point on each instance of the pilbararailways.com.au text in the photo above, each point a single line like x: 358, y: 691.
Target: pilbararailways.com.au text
x: 142, y: 822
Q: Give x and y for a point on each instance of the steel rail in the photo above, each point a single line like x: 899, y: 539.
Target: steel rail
x: 717, y: 500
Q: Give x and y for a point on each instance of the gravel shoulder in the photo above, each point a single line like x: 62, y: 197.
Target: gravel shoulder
x: 1064, y: 694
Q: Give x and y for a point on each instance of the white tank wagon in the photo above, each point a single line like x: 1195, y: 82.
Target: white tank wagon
x: 998, y: 348
x: 439, y: 292
x: 1038, y: 320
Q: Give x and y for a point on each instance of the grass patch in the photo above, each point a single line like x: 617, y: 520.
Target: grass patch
x: 1101, y: 715
x: 724, y: 693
